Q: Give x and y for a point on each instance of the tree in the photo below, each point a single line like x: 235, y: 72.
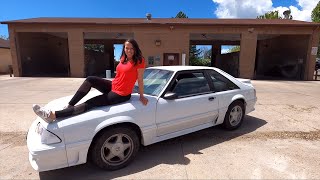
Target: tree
x: 181, y: 15
x: 270, y: 15
x: 275, y: 15
x: 198, y: 57
x: 315, y: 17
x: 207, y: 53
x: 204, y: 52
x: 194, y: 52
x: 4, y: 37
x: 287, y: 14
x: 234, y: 49
x: 95, y: 47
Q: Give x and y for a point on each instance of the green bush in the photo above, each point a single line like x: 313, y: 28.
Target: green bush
x: 200, y: 62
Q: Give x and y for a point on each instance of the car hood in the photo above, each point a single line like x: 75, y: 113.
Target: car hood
x: 125, y: 109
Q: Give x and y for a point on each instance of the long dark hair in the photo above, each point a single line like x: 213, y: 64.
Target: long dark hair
x: 137, y: 56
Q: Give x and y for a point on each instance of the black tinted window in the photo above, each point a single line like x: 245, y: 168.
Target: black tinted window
x: 190, y: 83
x: 220, y: 82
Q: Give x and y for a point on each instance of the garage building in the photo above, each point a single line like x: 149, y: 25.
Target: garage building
x: 78, y: 47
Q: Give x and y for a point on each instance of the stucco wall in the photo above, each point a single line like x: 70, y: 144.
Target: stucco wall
x: 5, y: 60
x: 247, y: 55
x: 174, y: 39
x: 171, y: 41
x: 76, y: 53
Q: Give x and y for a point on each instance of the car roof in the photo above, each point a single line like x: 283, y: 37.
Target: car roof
x: 180, y: 68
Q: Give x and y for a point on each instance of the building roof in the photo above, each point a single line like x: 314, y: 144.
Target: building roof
x: 4, y: 43
x: 163, y: 21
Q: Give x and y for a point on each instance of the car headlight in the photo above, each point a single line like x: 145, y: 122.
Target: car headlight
x: 46, y: 136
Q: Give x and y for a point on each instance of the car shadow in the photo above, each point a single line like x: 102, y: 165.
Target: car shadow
x: 171, y: 151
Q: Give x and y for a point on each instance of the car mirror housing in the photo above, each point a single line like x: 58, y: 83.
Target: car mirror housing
x: 170, y: 96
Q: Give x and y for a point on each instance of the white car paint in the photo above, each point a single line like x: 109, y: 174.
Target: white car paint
x: 161, y: 119
x: 169, y: 119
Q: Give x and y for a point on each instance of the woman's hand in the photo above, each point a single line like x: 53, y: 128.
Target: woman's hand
x: 141, y: 86
x: 144, y: 100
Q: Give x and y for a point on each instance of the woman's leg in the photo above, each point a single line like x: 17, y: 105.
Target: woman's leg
x: 101, y: 100
x: 98, y: 83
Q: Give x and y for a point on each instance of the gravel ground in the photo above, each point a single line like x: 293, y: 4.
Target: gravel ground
x: 279, y: 140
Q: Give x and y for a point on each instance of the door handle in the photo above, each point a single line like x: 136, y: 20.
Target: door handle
x: 211, y: 98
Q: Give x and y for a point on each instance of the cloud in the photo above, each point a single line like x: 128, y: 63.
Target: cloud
x: 306, y: 8
x: 226, y: 49
x: 254, y: 8
x: 241, y: 8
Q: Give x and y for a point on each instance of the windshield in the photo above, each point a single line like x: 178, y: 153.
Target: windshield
x: 154, y: 81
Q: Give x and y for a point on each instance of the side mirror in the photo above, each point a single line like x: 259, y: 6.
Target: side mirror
x: 170, y: 96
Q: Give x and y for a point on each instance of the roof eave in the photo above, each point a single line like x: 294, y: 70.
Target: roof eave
x: 152, y: 23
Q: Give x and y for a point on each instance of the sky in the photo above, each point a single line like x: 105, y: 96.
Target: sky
x: 23, y: 9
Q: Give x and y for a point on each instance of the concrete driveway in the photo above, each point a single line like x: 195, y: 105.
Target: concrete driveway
x: 280, y: 140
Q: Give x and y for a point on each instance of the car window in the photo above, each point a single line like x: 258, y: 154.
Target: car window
x: 221, y: 83
x: 190, y: 84
x: 154, y: 81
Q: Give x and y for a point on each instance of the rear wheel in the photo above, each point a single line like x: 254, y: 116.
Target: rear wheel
x: 115, y: 148
x: 234, y: 115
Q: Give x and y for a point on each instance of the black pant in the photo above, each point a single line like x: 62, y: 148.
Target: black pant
x: 107, y: 98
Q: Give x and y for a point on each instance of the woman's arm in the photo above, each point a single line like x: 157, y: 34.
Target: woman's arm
x: 143, y: 99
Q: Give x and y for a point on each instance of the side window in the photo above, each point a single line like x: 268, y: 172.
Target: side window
x: 220, y: 82
x: 190, y: 83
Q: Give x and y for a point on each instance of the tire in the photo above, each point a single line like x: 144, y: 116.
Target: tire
x: 115, y: 148
x: 234, y: 116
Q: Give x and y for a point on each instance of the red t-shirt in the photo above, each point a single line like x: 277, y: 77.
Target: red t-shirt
x: 127, y: 74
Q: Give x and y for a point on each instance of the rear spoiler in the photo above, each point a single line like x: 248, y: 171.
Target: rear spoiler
x: 246, y: 81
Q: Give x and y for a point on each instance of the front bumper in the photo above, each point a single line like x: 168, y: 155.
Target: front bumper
x: 44, y: 157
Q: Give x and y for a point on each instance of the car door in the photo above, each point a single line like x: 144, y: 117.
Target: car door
x: 225, y: 91
x: 195, y: 104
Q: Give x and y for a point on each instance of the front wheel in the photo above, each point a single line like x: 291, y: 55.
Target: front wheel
x: 234, y: 115
x: 115, y: 148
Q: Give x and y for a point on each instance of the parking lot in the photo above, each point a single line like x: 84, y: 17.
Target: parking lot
x: 280, y: 140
